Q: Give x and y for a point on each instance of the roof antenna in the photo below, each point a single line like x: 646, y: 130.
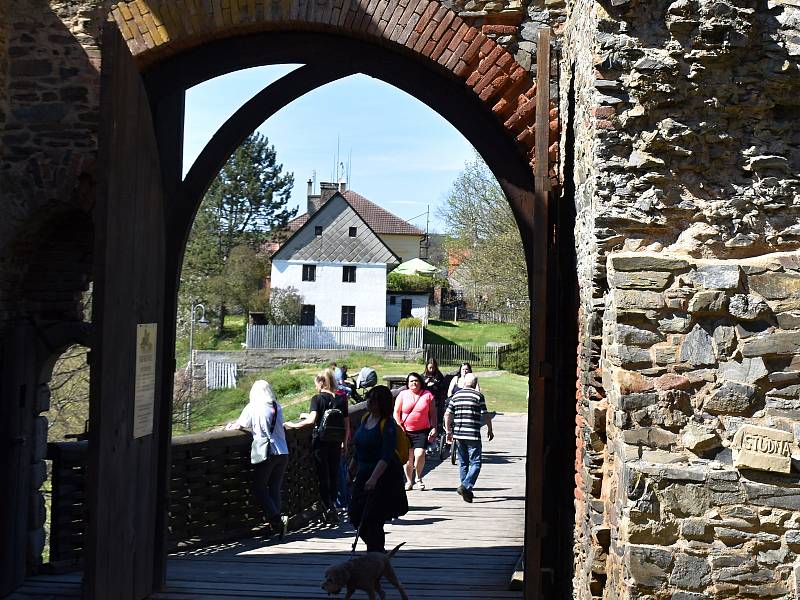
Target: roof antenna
x: 349, y: 165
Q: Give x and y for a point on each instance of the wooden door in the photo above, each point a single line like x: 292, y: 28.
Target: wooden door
x: 17, y: 367
x: 122, y: 560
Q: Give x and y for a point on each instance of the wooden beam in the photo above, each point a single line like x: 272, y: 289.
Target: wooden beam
x: 232, y: 133
x: 534, y: 526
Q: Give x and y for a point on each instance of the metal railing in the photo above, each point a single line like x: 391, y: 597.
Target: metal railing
x: 333, y: 338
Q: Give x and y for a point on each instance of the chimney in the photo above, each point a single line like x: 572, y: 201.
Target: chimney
x: 342, y: 186
x: 326, y: 190
x: 312, y: 200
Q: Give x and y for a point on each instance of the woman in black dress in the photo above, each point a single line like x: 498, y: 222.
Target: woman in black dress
x: 378, y: 493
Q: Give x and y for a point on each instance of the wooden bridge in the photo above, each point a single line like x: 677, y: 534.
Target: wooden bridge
x: 453, y: 549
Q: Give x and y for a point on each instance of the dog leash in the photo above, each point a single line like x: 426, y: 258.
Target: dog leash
x: 367, y: 503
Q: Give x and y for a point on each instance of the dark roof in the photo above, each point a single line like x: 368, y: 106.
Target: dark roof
x: 336, y: 217
x: 379, y: 219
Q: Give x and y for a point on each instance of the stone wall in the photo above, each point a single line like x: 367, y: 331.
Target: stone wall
x: 686, y: 145
x: 48, y: 128
x: 695, y: 351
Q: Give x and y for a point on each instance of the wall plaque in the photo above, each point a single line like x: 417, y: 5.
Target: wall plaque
x: 145, y: 387
x: 763, y: 448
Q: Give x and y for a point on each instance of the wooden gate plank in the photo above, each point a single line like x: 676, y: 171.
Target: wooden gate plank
x: 129, y: 283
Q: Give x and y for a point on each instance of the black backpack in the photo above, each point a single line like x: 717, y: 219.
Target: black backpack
x: 331, y: 425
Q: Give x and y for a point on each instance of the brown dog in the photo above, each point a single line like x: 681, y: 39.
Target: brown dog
x: 363, y: 573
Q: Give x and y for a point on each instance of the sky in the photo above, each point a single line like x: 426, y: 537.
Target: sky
x: 403, y: 156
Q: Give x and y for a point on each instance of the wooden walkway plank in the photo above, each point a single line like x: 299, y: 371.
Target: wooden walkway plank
x: 452, y: 549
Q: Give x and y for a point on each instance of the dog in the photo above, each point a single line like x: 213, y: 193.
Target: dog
x: 363, y: 573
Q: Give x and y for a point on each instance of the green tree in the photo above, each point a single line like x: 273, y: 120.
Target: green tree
x: 482, y: 232
x: 284, y: 306
x: 244, y: 205
x: 241, y: 283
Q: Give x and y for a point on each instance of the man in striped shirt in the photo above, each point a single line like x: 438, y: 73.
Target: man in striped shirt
x: 465, y: 413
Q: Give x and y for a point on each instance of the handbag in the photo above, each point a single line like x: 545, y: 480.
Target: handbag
x: 261, y: 448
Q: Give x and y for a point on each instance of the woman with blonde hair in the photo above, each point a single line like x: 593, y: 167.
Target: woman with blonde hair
x: 329, y: 416
x: 263, y: 417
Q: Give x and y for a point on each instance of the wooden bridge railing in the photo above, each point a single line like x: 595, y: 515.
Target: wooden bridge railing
x: 211, y: 497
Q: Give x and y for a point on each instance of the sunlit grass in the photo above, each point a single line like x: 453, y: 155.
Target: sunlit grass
x: 294, y: 387
x: 472, y: 334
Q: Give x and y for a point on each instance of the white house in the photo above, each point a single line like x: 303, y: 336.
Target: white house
x: 338, y: 264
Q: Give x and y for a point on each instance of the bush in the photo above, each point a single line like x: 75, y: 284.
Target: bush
x: 396, y: 282
x: 409, y: 322
x: 515, y: 360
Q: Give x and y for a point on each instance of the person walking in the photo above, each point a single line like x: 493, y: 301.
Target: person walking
x: 327, y: 445
x: 378, y: 493
x: 462, y: 421
x: 263, y: 417
x: 415, y: 412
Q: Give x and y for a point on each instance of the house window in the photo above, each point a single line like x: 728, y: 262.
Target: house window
x: 309, y: 272
x: 349, y: 274
x: 307, y: 314
x: 318, y: 230
x: 353, y: 231
x: 392, y: 299
x: 405, y: 308
x: 348, y: 316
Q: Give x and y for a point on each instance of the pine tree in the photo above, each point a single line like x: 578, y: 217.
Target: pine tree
x: 245, y: 203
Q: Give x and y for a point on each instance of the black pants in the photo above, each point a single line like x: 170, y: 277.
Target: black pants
x: 370, y: 511
x: 368, y: 516
x: 268, y: 483
x: 326, y: 458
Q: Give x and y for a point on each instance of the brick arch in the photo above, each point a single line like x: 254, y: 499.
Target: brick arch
x: 157, y: 30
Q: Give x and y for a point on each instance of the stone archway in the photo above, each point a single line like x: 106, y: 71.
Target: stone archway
x: 159, y: 30
x: 421, y: 47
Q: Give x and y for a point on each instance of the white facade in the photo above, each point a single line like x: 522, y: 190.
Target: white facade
x: 394, y: 306
x: 328, y: 293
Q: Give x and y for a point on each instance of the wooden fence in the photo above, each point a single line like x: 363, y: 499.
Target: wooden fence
x: 333, y: 338
x: 211, y: 497
x: 220, y: 375
x: 477, y: 356
x: 481, y: 316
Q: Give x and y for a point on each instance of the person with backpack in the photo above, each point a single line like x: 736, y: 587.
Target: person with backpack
x: 415, y: 413
x: 269, y: 453
x: 378, y: 493
x: 329, y: 416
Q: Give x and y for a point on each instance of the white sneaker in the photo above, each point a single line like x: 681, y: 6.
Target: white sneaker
x: 421, y: 484
x: 409, y: 485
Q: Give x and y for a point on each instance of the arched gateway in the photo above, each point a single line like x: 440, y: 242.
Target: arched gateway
x: 678, y: 216
x: 152, y: 52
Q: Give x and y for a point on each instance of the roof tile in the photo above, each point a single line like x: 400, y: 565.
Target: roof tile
x: 379, y: 219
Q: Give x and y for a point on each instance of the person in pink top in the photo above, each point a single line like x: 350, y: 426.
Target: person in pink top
x: 415, y: 411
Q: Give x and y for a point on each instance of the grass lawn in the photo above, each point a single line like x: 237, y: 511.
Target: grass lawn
x: 474, y: 334
x: 506, y: 393
x: 294, y: 386
x: 205, y: 338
